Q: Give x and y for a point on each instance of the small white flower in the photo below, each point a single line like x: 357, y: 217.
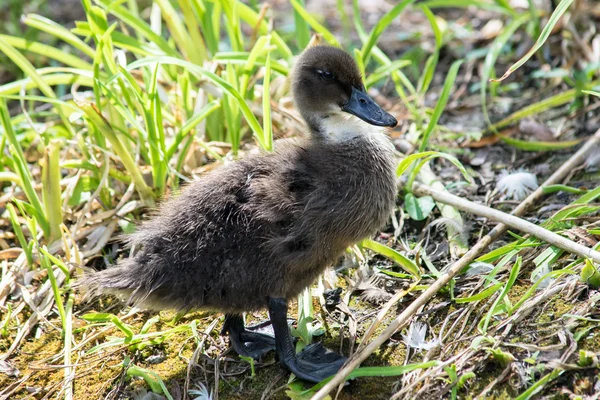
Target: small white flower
x: 517, y: 185
x: 415, y: 337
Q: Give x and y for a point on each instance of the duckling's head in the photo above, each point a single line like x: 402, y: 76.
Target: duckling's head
x: 329, y: 93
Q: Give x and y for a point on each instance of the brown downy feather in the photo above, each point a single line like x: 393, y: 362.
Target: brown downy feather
x: 265, y: 226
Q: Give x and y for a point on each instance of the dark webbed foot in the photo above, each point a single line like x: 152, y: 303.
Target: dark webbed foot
x: 319, y: 362
x: 314, y: 363
x: 247, y: 342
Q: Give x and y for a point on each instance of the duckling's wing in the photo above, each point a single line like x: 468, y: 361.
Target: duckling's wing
x: 210, y: 247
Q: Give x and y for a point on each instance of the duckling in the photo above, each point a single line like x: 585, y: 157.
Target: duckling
x: 253, y: 234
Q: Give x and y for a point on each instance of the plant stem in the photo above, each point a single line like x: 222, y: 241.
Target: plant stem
x: 509, y: 220
x: 51, y: 188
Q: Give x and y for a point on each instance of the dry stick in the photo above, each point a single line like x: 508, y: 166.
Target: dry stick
x: 509, y: 220
x: 485, y: 241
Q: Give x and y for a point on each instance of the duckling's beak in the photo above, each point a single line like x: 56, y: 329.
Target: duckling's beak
x: 361, y: 105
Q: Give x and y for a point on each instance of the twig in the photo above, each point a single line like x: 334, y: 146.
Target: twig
x: 494, y: 234
x: 508, y: 220
x: 382, y: 313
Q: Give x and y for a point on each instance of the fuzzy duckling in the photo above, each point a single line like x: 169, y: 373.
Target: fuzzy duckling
x: 253, y: 234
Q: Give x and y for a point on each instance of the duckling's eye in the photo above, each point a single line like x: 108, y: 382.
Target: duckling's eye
x: 326, y: 75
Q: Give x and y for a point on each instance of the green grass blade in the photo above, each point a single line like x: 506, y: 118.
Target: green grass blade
x: 318, y: 27
x: 537, y: 108
x: 427, y: 76
x: 107, y: 317
x: 302, y: 30
x: 58, y: 31
x: 155, y: 130
x: 241, y: 58
x: 556, y: 15
x: 381, y: 26
x: 437, y: 33
x: 122, y: 41
x: 539, y: 385
x: 152, y: 379
x: 404, y: 262
x: 232, y: 24
x: 191, y: 124
x: 226, y: 86
x: 384, y: 71
x: 380, y: 371
x: 51, y: 191
x: 514, y: 273
x: 432, y: 61
x: 47, y: 51
x: 50, y: 79
x: 441, y: 104
x: 104, y: 127
x: 12, y: 215
x: 256, y: 51
x: 484, y: 294
x: 139, y: 26
x: 468, y: 3
x: 537, y: 145
x: 187, y: 9
x: 427, y: 156
x: 21, y: 167
x: 15, y: 56
x: 179, y: 33
x: 532, y: 289
x: 266, y: 105
x: 55, y: 289
x: 592, y: 92
x: 492, y: 56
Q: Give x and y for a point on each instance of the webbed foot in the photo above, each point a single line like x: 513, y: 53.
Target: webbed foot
x: 314, y: 363
x: 247, y: 342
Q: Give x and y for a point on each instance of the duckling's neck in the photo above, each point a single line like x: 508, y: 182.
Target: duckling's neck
x: 341, y: 127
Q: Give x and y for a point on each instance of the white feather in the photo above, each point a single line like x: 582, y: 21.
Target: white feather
x: 479, y: 268
x: 517, y: 185
x: 539, y: 273
x: 593, y: 160
x: 415, y: 337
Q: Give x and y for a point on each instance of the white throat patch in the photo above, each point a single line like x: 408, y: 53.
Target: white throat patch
x: 342, y: 126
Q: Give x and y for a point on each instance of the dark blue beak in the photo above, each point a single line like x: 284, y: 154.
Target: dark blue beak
x: 362, y: 106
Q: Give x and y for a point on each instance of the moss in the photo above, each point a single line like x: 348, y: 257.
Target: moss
x: 484, y: 376
x: 97, y: 378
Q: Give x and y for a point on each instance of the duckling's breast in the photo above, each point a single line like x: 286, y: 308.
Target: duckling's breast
x: 362, y: 186
x: 342, y: 193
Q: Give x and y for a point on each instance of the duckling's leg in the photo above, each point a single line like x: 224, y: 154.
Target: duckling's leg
x: 245, y: 342
x: 314, y: 363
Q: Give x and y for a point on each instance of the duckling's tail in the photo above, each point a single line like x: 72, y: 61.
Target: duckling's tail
x: 122, y: 281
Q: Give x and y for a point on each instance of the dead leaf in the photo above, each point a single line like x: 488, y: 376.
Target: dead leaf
x: 581, y: 236
x: 532, y: 128
x: 10, y: 254
x: 484, y: 141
